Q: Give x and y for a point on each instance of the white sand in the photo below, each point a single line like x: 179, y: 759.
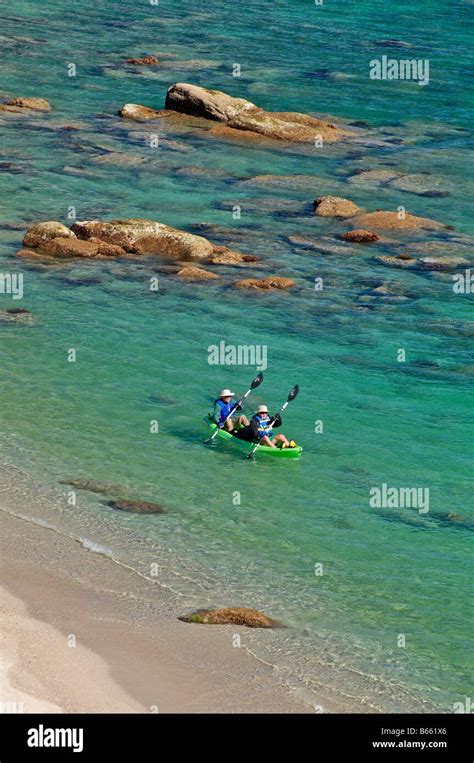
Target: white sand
x: 40, y: 673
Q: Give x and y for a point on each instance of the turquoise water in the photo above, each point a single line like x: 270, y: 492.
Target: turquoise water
x: 142, y: 356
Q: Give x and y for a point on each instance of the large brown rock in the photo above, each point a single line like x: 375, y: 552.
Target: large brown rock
x: 240, y: 114
x: 381, y: 220
x: 39, y: 233
x: 115, y: 238
x: 107, y: 250
x: 265, y: 284
x: 251, y: 618
x: 201, y: 102
x: 24, y: 105
x: 147, y: 237
x: 70, y: 247
x: 335, y: 206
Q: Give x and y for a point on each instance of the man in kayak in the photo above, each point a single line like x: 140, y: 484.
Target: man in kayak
x: 224, y: 407
x: 260, y: 430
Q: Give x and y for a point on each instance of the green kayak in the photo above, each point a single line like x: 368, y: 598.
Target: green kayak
x: 263, y: 449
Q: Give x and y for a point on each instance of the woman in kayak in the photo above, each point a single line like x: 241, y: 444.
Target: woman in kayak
x: 260, y: 430
x: 223, y: 412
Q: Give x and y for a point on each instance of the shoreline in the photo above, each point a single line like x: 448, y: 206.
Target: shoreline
x: 119, y: 664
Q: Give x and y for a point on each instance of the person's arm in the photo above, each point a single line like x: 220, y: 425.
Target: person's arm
x: 216, y: 413
x: 236, y: 407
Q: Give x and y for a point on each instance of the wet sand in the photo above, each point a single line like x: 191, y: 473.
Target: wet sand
x: 128, y: 655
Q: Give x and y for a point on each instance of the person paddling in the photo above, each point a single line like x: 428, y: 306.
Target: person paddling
x: 224, y: 408
x: 260, y: 430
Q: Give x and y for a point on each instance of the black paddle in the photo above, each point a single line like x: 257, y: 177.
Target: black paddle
x: 256, y: 383
x: 293, y: 393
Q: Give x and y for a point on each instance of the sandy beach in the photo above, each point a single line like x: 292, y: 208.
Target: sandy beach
x: 116, y: 665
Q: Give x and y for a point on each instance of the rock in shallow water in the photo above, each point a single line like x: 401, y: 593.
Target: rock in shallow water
x: 393, y: 221
x: 264, y: 284
x: 115, y: 238
x: 17, y: 315
x: 92, y: 486
x: 196, y: 274
x: 145, y: 61
x: 137, y: 507
x: 251, y: 618
x: 240, y: 114
x: 40, y: 233
x: 25, y: 105
x: 360, y: 236
x: 335, y: 206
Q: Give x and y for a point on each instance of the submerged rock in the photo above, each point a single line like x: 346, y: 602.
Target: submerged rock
x: 335, y: 206
x: 423, y: 185
x: 145, y: 61
x: 196, y: 274
x: 442, y: 263
x: 136, y: 507
x: 92, y: 486
x: 393, y: 221
x: 17, y: 315
x: 321, y: 246
x: 372, y: 177
x: 251, y: 618
x: 269, y: 282
x: 139, y: 113
x: 240, y: 114
x: 25, y: 105
x: 397, y: 261
x: 228, y: 257
x: 360, y: 236
x: 221, y: 130
x: 298, y: 182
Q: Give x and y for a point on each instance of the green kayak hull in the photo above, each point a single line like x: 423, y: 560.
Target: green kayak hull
x: 263, y: 449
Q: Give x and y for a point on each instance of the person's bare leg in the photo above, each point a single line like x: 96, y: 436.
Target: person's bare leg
x: 228, y: 425
x: 242, y: 421
x: 281, y: 438
x: 266, y: 441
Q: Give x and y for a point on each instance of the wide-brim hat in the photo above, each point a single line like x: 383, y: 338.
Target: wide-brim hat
x: 226, y: 393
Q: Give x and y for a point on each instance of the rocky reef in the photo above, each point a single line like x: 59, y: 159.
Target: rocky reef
x: 238, y: 117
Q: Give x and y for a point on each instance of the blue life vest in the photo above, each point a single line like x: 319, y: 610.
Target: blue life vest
x: 264, y: 426
x: 225, y: 410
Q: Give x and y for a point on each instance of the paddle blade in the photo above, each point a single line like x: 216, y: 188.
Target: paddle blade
x: 257, y: 381
x: 294, y: 392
